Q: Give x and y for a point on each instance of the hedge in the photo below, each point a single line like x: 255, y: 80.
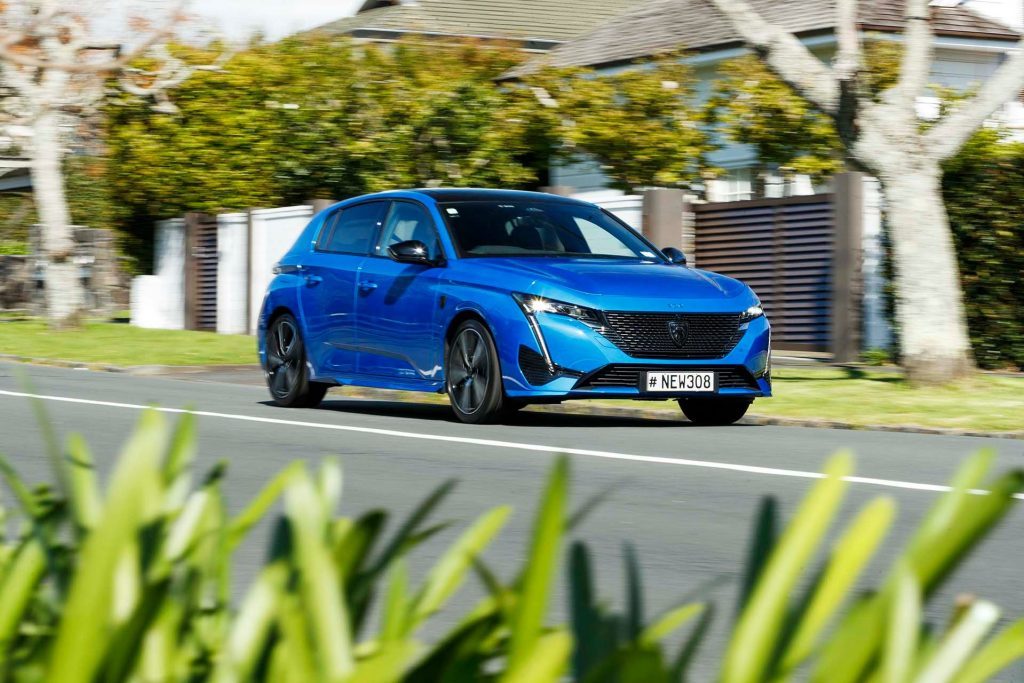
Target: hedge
x: 984, y: 193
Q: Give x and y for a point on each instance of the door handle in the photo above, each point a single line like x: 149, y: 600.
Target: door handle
x: 367, y: 286
x: 313, y: 280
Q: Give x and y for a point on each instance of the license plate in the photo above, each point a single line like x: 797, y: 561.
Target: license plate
x: 681, y: 382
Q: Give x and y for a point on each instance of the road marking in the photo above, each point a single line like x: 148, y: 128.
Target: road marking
x: 686, y: 462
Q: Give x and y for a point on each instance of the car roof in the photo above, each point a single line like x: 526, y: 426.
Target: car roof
x: 443, y: 195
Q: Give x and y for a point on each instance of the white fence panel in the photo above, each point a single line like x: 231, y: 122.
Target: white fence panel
x: 232, y: 273
x: 274, y: 231
x: 626, y: 207
x: 158, y: 300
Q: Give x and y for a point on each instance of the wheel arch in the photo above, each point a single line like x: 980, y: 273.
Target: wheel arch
x: 461, y: 317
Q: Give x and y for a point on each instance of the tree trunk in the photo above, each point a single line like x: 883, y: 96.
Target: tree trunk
x: 64, y: 296
x: 929, y: 302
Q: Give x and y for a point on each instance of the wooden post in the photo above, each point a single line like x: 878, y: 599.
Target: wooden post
x: 663, y: 219
x: 846, y: 267
x: 320, y: 204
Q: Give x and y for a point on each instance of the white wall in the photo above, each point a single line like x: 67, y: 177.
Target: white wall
x: 232, y: 273
x: 1009, y: 12
x: 158, y: 300
x: 274, y: 231
x: 626, y: 207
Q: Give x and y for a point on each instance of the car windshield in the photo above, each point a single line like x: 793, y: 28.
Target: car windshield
x: 539, y: 228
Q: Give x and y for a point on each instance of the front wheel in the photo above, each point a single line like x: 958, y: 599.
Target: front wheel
x: 714, y: 411
x: 474, y: 375
x: 287, y: 370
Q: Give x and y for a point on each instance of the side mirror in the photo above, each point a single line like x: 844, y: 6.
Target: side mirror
x: 674, y: 255
x: 411, y: 251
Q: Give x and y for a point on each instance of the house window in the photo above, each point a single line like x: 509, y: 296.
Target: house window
x: 735, y: 185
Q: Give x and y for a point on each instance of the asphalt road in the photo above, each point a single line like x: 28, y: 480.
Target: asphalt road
x: 683, y: 495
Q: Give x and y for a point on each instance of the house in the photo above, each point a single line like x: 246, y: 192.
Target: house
x: 14, y: 174
x: 535, y: 25
x: 971, y: 38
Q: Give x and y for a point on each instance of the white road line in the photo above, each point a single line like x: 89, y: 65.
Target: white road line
x: 706, y: 464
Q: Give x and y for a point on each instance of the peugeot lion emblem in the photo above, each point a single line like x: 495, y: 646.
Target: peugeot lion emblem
x: 678, y: 329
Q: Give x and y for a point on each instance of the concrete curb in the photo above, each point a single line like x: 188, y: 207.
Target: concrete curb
x: 570, y: 407
x: 140, y: 370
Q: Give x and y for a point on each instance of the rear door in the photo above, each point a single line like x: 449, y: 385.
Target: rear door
x: 331, y: 272
x: 398, y: 304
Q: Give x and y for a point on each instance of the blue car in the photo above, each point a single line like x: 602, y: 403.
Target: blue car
x: 502, y: 299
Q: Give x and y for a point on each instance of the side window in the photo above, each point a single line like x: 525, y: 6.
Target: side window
x: 407, y: 221
x: 325, y: 231
x: 355, y: 229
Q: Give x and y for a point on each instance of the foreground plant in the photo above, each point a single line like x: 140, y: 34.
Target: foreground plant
x: 134, y: 584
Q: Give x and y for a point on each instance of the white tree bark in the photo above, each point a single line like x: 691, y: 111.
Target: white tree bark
x: 64, y: 293
x: 885, y: 138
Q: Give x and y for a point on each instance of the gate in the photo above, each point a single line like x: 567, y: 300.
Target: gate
x: 783, y: 248
x: 201, y: 272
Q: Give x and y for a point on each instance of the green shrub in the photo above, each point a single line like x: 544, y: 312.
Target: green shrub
x: 983, y: 187
x: 134, y: 584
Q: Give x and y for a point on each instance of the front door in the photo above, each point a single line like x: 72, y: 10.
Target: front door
x: 397, y: 304
x: 328, y: 297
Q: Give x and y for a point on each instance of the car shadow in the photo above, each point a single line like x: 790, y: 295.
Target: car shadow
x: 439, y: 412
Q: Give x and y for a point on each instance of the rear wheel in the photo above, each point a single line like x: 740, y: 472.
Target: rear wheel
x: 474, y: 375
x: 714, y: 411
x: 287, y: 369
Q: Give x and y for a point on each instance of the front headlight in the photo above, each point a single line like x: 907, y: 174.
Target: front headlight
x: 537, y: 304
x: 751, y: 313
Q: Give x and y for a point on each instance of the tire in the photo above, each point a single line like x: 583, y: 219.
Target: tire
x: 714, y: 411
x: 287, y: 369
x: 473, y: 375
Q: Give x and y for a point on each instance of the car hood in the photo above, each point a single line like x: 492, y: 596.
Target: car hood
x: 613, y: 285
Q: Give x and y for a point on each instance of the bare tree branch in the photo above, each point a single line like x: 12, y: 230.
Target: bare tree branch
x: 917, y: 57
x: 949, y: 134
x: 784, y: 53
x: 9, y: 42
x: 848, y: 61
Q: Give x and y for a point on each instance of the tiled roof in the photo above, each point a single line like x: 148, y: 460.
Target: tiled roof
x: 545, y: 21
x: 661, y: 25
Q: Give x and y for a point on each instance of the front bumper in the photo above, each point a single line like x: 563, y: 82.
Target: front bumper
x: 588, y: 365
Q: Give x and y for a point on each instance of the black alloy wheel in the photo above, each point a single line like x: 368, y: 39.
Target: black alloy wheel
x: 287, y: 371
x: 714, y: 411
x: 474, y: 375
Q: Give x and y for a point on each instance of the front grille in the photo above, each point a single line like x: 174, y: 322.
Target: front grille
x: 648, y: 335
x: 729, y: 377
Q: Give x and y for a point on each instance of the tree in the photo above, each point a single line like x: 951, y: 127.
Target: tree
x: 642, y: 125
x: 321, y: 117
x: 55, y: 71
x: 883, y: 135
x: 750, y: 105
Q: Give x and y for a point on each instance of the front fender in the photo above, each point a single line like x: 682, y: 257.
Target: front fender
x: 503, y: 318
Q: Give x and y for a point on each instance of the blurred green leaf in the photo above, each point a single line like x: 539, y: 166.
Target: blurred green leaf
x: 962, y: 640
x: 850, y: 556
x: 319, y: 582
x: 88, y: 608
x: 450, y: 571
x: 904, y: 620
x: 1006, y: 648
x: 529, y: 612
x: 756, y: 634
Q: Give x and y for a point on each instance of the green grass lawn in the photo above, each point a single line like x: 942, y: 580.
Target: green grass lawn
x: 119, y: 344
x: 872, y: 397
x: 856, y: 396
